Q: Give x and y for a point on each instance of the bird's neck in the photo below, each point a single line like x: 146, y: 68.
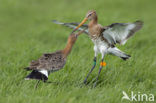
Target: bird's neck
x: 93, y: 22
x: 66, y: 51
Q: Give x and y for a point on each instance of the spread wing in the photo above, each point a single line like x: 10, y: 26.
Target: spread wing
x: 114, y: 33
x: 73, y: 26
x: 120, y: 32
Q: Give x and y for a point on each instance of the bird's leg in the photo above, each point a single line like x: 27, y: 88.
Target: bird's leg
x: 37, y: 84
x: 102, y: 64
x: 94, y: 64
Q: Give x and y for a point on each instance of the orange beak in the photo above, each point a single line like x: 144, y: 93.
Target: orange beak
x: 84, y: 20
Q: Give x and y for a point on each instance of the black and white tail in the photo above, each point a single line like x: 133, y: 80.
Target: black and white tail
x: 38, y: 75
x: 115, y: 51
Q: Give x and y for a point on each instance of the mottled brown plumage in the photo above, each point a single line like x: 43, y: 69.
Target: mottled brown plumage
x: 50, y: 62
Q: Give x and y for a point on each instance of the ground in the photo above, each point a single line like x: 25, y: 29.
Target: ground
x: 26, y: 32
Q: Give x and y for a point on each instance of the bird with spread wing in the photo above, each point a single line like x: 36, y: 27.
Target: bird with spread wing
x: 105, y: 38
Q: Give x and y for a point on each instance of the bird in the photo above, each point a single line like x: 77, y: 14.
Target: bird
x: 105, y: 38
x: 50, y: 62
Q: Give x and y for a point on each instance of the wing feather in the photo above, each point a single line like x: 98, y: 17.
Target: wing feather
x: 73, y: 26
x: 114, y: 33
x: 121, y: 32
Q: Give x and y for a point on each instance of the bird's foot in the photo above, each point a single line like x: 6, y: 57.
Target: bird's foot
x: 85, y: 81
x: 94, y: 85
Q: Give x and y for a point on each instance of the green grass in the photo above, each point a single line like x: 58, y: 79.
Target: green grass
x: 26, y: 32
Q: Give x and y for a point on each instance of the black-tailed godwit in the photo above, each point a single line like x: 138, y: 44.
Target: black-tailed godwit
x: 105, y: 38
x: 50, y: 62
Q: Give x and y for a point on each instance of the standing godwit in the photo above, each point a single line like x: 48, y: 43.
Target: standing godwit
x: 105, y: 38
x: 50, y: 62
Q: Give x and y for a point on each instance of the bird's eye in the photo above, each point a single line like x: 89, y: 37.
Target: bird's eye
x: 89, y: 14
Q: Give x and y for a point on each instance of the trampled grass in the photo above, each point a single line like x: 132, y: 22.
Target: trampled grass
x: 26, y: 31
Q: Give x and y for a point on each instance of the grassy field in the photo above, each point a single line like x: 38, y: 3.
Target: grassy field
x: 26, y: 32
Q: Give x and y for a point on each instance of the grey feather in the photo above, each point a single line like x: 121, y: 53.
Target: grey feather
x: 114, y: 33
x: 73, y: 26
x: 120, y: 32
x: 115, y: 51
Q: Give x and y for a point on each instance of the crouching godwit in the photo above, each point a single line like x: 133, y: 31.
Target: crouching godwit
x: 105, y: 38
x: 50, y: 62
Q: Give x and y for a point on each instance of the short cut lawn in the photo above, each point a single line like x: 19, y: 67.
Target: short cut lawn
x: 26, y: 32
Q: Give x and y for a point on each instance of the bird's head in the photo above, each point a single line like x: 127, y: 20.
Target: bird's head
x: 89, y: 16
x: 73, y: 37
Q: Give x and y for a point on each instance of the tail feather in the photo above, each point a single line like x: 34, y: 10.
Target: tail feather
x: 115, y: 51
x: 125, y: 57
x: 36, y: 75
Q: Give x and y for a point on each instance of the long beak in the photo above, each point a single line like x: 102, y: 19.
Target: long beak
x: 84, y: 20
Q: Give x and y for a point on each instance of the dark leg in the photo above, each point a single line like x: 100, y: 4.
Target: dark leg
x: 85, y: 81
x: 101, y: 65
x: 97, y: 77
x: 37, y: 84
